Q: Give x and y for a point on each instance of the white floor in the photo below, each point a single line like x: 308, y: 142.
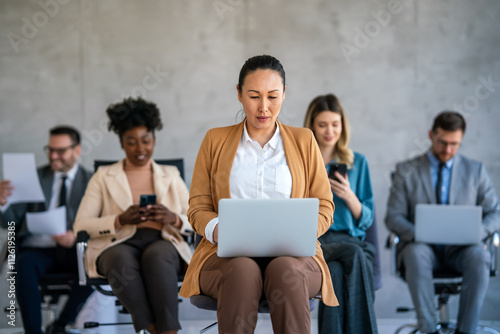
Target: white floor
x: 102, y: 309
x: 385, y: 326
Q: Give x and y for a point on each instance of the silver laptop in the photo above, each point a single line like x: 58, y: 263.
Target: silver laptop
x: 268, y: 227
x: 448, y: 224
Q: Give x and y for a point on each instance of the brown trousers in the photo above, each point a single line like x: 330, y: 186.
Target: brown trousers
x: 240, y: 283
x: 143, y: 273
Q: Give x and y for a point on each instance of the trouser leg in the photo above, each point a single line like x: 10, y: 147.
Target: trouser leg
x: 78, y: 294
x: 331, y: 319
x: 120, y: 265
x: 419, y: 262
x: 474, y: 264
x: 289, y: 282
x: 160, y: 267
x: 31, y: 264
x: 236, y: 283
x: 358, y: 276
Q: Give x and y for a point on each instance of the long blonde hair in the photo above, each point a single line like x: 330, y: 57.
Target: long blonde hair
x: 329, y: 102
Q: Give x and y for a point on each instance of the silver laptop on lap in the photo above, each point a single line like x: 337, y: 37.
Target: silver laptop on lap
x: 448, y: 224
x: 268, y: 227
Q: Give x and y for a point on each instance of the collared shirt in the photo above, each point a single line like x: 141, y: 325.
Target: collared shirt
x: 45, y: 240
x: 445, y: 175
x: 257, y: 172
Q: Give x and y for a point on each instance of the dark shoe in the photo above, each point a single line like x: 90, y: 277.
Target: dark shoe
x: 54, y: 328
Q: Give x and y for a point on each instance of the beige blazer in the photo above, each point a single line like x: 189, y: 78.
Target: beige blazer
x: 210, y: 183
x: 108, y: 195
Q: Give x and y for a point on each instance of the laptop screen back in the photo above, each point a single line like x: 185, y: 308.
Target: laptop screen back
x: 448, y: 224
x: 268, y: 227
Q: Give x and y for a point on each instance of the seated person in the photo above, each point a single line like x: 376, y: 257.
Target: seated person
x: 138, y: 249
x: 349, y: 257
x: 242, y: 161
x: 443, y: 176
x: 63, y: 182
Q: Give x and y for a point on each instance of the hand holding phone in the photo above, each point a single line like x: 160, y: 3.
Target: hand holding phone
x: 336, y: 167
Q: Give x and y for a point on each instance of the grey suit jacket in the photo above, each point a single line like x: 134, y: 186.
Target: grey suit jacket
x: 412, y: 184
x: 17, y: 212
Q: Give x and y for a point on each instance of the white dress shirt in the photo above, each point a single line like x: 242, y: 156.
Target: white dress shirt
x: 45, y: 240
x: 257, y: 172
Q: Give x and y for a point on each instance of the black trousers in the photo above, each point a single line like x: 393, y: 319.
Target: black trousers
x: 143, y: 273
x: 31, y: 265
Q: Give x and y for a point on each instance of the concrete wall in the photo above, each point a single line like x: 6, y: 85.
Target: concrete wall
x: 394, y: 65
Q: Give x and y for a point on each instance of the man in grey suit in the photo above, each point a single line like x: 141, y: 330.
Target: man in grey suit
x: 443, y: 176
x: 63, y: 182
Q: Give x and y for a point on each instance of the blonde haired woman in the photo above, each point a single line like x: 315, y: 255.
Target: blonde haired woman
x: 349, y: 257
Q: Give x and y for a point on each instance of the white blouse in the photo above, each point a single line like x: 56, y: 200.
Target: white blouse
x: 257, y: 172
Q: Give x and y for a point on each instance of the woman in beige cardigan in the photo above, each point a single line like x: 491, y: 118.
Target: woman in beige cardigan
x: 258, y: 158
x: 138, y: 249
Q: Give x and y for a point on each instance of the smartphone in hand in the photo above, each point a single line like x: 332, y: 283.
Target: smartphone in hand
x: 146, y: 200
x: 341, y: 168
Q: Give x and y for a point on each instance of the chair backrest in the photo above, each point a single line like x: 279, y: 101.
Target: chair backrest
x: 372, y: 237
x: 179, y: 163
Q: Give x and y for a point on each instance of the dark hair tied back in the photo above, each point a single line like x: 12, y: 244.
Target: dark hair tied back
x: 131, y: 113
x: 263, y: 62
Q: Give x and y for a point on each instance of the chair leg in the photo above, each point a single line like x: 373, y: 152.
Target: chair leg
x: 407, y: 326
x: 208, y: 328
x: 444, y: 313
x: 487, y: 330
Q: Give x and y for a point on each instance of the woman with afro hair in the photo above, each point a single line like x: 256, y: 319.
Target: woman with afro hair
x: 139, y: 250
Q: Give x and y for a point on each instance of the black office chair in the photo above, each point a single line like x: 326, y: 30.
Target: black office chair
x: 52, y: 287
x: 372, y: 237
x: 81, y: 245
x: 210, y: 304
x: 446, y: 284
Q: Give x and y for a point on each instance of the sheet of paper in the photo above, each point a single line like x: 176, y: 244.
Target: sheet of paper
x: 20, y: 169
x: 47, y: 222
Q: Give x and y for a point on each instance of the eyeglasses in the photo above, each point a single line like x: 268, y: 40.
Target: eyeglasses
x: 445, y: 144
x: 58, y: 151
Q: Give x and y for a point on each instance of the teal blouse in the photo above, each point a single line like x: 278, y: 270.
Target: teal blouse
x: 359, y: 178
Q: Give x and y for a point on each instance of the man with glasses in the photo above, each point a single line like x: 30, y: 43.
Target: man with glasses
x: 63, y: 182
x: 443, y: 176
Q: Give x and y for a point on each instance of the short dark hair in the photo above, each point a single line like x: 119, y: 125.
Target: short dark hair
x: 66, y: 130
x: 263, y: 62
x: 449, y: 121
x: 131, y: 113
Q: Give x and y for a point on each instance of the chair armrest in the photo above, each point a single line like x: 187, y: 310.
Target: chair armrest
x: 391, y: 245
x: 81, y: 245
x: 492, y: 243
x: 188, y: 237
